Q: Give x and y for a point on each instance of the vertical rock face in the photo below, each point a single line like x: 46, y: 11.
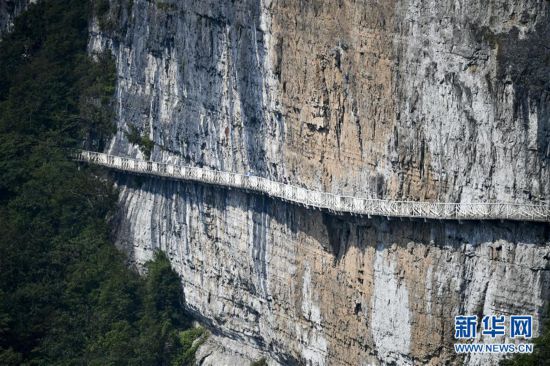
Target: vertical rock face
x: 399, y: 99
x: 410, y: 99
x: 305, y: 287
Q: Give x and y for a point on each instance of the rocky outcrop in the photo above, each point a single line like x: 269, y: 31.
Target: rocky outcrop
x: 396, y: 99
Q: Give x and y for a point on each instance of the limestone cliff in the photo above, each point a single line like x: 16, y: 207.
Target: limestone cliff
x: 406, y: 99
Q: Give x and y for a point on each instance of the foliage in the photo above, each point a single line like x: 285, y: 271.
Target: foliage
x: 541, y: 350
x: 145, y: 144
x: 190, y: 340
x: 66, y: 294
x: 95, y: 100
x: 166, y: 6
x: 260, y: 362
x: 113, y: 15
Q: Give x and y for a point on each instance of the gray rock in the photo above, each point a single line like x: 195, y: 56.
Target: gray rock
x: 426, y: 101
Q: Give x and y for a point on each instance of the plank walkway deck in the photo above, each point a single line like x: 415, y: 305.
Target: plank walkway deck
x: 323, y: 200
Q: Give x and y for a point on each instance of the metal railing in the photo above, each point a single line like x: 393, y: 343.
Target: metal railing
x: 324, y: 200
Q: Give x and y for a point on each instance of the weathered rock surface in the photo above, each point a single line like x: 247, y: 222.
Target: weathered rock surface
x: 310, y: 288
x: 401, y: 99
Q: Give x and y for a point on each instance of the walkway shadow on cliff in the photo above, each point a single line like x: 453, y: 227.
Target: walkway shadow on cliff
x: 346, y: 231
x: 338, y: 233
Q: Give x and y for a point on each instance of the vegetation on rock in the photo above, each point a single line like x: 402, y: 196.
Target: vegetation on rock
x: 260, y: 362
x: 541, y: 350
x: 145, y: 144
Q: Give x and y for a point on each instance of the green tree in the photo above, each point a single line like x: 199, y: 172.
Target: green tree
x: 66, y: 295
x: 541, y: 350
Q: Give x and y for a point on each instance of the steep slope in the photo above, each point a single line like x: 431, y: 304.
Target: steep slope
x: 401, y: 99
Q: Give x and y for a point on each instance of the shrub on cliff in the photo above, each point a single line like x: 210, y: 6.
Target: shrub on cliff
x: 541, y: 350
x: 143, y: 141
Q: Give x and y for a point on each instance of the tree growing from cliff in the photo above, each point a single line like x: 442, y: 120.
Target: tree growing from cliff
x: 541, y: 350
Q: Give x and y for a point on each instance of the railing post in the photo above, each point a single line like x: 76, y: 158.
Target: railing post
x: 351, y: 204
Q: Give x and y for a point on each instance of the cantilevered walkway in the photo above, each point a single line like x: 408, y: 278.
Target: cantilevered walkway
x: 323, y: 200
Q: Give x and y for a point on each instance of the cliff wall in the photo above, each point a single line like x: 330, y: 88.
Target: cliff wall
x: 401, y: 99
x: 306, y: 287
x: 404, y: 100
